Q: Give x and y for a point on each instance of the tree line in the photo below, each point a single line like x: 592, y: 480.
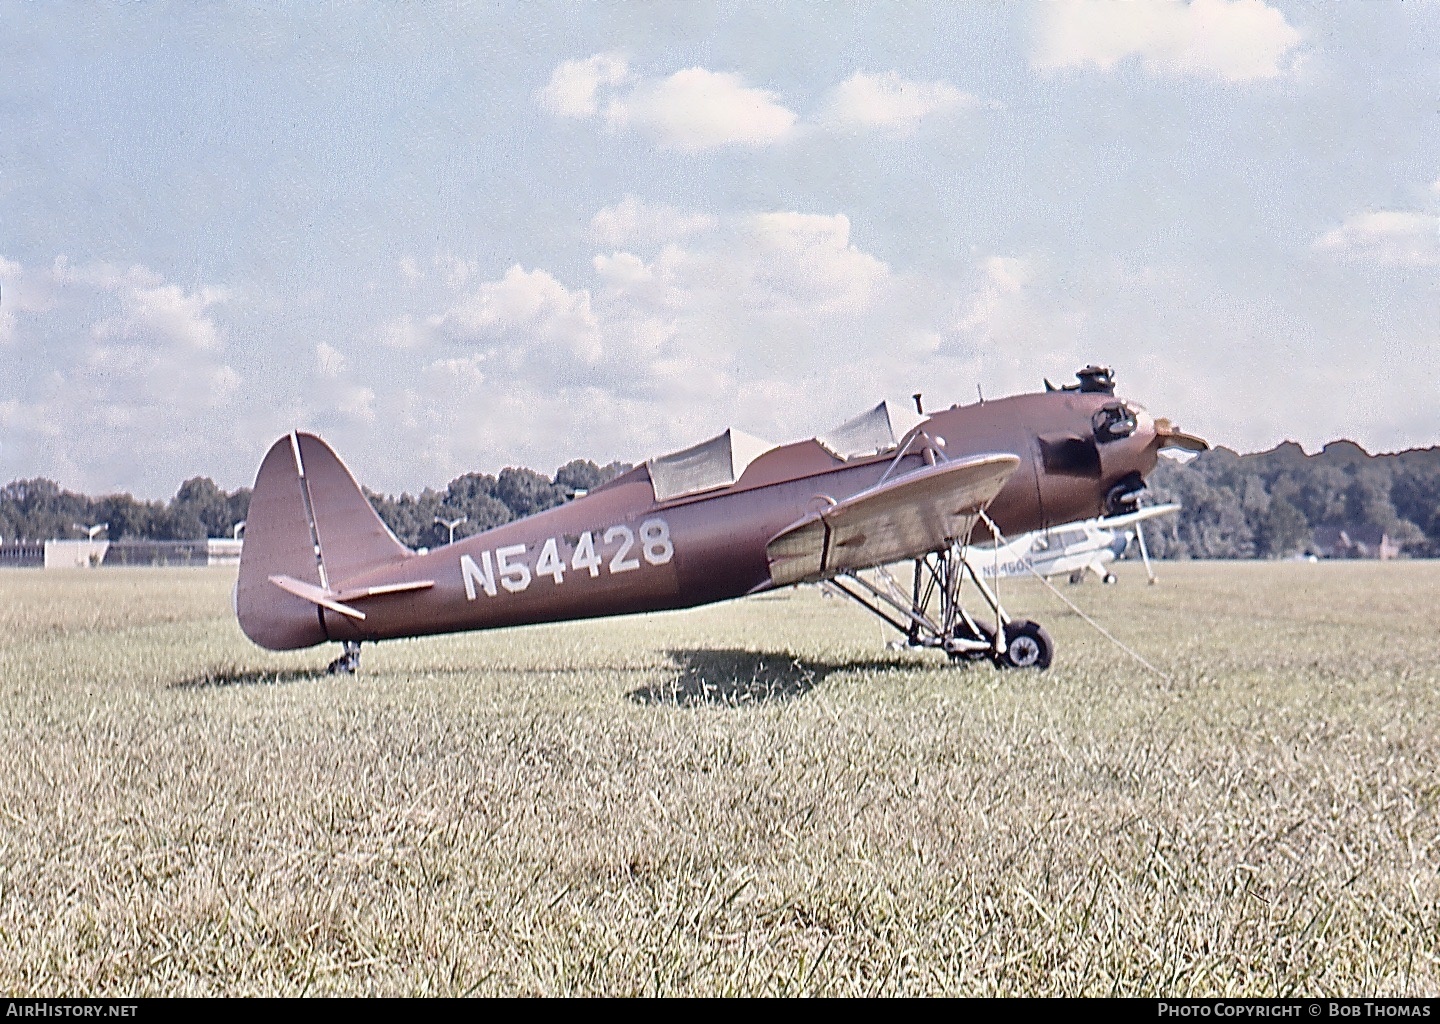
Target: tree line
x: 1261, y: 505
x: 1269, y: 504
x: 36, y: 510
x: 39, y: 509
x: 482, y: 501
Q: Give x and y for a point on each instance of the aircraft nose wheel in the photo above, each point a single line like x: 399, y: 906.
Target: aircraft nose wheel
x: 349, y: 661
x: 1027, y: 645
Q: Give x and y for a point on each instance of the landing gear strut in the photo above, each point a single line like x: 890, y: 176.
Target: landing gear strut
x: 349, y: 661
x: 1019, y: 643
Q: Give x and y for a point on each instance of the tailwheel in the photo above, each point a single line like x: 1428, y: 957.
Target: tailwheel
x: 1027, y: 645
x: 349, y: 661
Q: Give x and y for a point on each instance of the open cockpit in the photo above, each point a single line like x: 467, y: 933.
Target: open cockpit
x: 724, y: 460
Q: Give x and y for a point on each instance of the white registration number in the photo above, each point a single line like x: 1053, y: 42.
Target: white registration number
x: 616, y: 550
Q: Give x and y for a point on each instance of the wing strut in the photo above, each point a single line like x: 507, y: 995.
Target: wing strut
x: 1144, y: 554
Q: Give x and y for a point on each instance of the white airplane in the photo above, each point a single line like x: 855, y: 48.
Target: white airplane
x: 1071, y: 549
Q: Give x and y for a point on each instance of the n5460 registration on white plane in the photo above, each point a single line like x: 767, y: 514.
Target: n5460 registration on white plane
x: 1069, y: 550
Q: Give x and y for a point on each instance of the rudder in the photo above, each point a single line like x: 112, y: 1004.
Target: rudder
x: 353, y: 539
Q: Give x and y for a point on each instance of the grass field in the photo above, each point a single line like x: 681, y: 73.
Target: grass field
x: 753, y: 798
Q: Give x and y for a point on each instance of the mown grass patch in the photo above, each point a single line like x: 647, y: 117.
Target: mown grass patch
x: 751, y: 798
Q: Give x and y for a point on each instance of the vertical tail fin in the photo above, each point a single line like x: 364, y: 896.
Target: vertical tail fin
x: 310, y: 521
x: 351, y: 537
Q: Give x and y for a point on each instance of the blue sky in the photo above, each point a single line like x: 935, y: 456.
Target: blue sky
x: 460, y: 237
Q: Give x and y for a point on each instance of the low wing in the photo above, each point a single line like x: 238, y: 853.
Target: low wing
x: 920, y: 512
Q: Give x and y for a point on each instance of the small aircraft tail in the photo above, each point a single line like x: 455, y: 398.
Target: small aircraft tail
x: 309, y: 524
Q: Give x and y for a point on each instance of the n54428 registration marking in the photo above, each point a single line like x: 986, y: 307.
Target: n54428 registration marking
x: 510, y: 568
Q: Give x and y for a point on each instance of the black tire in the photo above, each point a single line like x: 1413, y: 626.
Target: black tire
x: 1027, y: 645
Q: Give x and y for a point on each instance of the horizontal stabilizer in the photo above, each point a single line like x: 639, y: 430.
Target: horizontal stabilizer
x: 907, y: 517
x: 315, y: 595
x: 360, y: 593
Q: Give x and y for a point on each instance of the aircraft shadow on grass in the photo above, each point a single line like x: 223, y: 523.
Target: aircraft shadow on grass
x: 220, y: 678
x: 729, y: 677
x: 735, y: 677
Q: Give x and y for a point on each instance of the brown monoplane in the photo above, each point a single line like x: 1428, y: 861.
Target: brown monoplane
x: 729, y: 517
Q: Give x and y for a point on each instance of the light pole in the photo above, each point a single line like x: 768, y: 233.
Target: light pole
x: 451, y: 524
x: 91, y: 530
x: 237, y: 529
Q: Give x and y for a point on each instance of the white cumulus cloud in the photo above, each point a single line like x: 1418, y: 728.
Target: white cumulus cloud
x: 774, y: 321
x: 357, y: 402
x: 1385, y: 237
x: 889, y: 101
x: 632, y: 222
x: 528, y: 318
x: 114, y: 372
x: 166, y: 312
x: 999, y: 297
x: 403, y: 333
x: 690, y: 111
x: 807, y: 259
x: 574, y: 85
x: 1233, y: 40
x: 9, y: 275
x: 329, y: 360
x: 695, y: 110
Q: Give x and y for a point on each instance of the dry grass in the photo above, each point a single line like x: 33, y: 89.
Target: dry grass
x: 750, y: 798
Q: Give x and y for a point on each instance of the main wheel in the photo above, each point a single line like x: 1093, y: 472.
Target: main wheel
x: 1027, y: 645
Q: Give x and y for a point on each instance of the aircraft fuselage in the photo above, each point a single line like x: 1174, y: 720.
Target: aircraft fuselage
x: 618, y: 550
